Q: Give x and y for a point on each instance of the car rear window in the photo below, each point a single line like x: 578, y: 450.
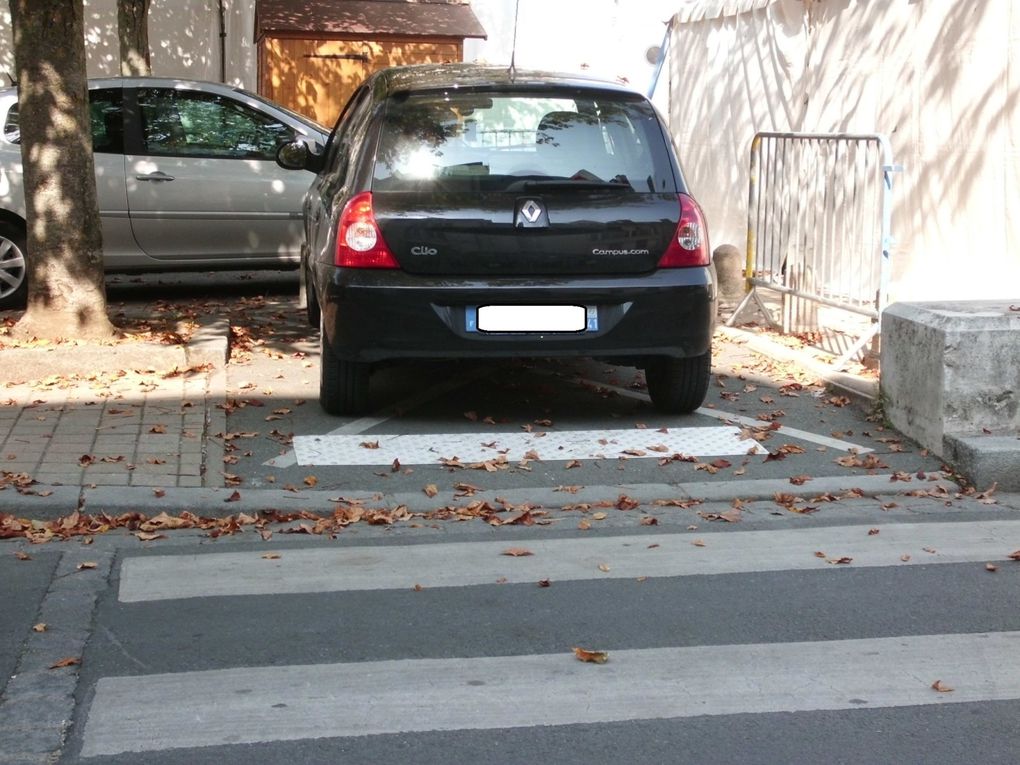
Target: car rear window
x: 490, y: 141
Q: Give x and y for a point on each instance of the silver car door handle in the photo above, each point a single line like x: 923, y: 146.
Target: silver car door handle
x: 157, y: 176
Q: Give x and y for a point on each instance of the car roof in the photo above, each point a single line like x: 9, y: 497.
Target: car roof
x: 155, y: 82
x: 165, y: 82
x: 430, y: 77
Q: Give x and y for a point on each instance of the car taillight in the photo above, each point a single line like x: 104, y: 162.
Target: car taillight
x: 689, y: 245
x: 359, y: 242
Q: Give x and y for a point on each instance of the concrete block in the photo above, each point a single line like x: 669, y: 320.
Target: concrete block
x: 951, y: 368
x: 986, y: 460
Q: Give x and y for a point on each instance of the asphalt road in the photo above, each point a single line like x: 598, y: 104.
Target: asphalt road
x: 810, y: 662
x: 866, y: 630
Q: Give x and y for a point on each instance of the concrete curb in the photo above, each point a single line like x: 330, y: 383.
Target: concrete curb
x: 38, y: 703
x: 209, y: 344
x: 220, y: 502
x: 860, y: 388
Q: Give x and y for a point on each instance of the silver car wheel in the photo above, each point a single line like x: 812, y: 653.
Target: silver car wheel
x: 12, y: 268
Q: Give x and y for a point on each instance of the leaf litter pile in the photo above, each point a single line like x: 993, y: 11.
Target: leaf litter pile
x: 348, y: 512
x: 166, y: 325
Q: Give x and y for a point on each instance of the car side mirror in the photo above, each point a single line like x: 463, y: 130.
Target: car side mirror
x: 293, y: 155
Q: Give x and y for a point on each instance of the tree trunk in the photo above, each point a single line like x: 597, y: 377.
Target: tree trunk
x: 133, y: 31
x: 66, y: 290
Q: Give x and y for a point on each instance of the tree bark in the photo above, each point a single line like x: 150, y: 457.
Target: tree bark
x: 133, y: 31
x: 66, y: 290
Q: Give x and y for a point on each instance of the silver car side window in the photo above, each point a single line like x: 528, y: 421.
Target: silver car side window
x: 189, y: 123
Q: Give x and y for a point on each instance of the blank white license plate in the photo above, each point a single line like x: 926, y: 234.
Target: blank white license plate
x: 531, y: 318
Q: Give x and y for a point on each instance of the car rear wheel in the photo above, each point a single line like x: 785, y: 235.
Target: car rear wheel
x: 13, y: 268
x: 679, y: 386
x: 343, y: 385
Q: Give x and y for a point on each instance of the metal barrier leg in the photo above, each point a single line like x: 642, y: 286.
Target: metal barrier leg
x: 762, y: 308
x: 740, y: 308
x: 856, y: 348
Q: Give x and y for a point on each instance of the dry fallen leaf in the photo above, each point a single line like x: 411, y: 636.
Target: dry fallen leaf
x: 940, y: 687
x: 149, y: 536
x: 698, y: 543
x: 544, y: 583
x: 310, y: 481
x: 991, y: 567
x: 88, y: 564
x: 603, y: 516
x: 22, y: 555
x: 517, y: 552
x: 431, y: 490
x: 271, y: 556
x: 70, y: 661
x: 593, y: 657
x: 604, y: 567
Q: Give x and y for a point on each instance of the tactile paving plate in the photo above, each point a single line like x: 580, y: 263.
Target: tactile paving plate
x: 431, y: 448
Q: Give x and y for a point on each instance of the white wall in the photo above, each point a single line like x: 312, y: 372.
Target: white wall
x: 601, y: 38
x: 938, y: 77
x: 183, y: 37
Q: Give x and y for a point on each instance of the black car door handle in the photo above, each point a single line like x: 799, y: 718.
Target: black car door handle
x: 157, y: 176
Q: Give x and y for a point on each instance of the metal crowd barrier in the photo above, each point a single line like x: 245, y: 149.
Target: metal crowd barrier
x: 819, y: 227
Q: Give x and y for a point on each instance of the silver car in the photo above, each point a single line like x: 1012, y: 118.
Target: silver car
x: 186, y: 179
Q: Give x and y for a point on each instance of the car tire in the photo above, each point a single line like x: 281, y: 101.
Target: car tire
x: 343, y: 385
x: 13, y: 266
x: 307, y: 297
x: 679, y: 386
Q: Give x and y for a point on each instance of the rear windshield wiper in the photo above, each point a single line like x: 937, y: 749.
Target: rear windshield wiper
x: 579, y: 184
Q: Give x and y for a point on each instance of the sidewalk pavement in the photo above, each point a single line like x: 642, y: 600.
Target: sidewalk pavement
x: 142, y: 429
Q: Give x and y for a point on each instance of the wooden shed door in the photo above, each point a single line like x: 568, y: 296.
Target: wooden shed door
x: 316, y: 77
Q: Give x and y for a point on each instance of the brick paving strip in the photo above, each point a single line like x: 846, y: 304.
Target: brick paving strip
x: 81, y: 416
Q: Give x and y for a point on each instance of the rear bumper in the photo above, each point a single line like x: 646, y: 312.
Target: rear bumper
x: 371, y: 315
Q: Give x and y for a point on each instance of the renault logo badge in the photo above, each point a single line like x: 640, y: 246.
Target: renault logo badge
x: 531, y: 214
x: 531, y: 210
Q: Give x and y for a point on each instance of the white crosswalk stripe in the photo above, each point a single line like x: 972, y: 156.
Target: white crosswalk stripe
x: 460, y: 564
x: 295, y: 702
x: 252, y: 705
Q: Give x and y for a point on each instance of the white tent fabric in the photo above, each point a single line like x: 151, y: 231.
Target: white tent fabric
x: 706, y: 10
x: 938, y: 77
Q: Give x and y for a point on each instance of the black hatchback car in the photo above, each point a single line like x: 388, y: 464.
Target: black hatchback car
x: 476, y: 212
